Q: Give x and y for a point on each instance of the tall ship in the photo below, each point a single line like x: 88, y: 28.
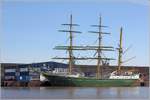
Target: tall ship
x: 118, y: 77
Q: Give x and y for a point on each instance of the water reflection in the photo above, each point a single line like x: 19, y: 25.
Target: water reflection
x: 76, y: 93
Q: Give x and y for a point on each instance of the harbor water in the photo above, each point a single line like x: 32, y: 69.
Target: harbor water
x: 75, y: 93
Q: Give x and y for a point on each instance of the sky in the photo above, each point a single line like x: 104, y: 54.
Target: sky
x: 29, y: 28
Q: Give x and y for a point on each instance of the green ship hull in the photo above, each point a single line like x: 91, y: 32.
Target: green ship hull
x: 55, y: 80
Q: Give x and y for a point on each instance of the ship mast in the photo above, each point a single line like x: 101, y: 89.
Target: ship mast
x: 99, y: 61
x: 120, y: 50
x: 101, y: 48
x: 69, y: 48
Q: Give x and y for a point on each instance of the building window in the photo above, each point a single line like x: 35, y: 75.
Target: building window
x: 23, y: 69
x: 10, y: 70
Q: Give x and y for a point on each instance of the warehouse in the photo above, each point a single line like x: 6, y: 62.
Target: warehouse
x: 13, y: 74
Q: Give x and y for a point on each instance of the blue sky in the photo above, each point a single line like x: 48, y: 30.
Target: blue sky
x: 30, y: 29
